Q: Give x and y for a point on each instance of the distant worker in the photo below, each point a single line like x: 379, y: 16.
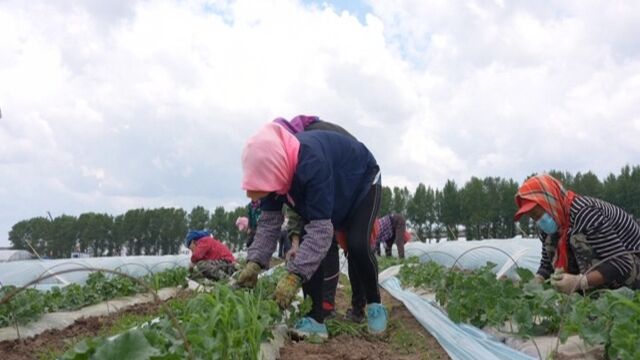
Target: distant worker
x: 580, y: 236
x: 209, y: 257
x: 253, y: 214
x: 392, y: 229
x: 284, y: 243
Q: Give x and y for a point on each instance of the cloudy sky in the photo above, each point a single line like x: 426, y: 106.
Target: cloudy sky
x: 117, y: 104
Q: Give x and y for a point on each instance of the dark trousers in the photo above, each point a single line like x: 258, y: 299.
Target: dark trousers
x: 363, y: 265
x: 322, y: 285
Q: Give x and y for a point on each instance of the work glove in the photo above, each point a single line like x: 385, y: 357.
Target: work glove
x: 538, y: 279
x: 249, y: 275
x: 287, y: 289
x: 568, y: 283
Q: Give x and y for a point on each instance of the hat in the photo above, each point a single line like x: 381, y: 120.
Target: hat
x: 525, y: 206
x: 195, y: 235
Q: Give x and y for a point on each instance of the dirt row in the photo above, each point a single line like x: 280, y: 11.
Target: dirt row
x: 53, y: 341
x: 405, y: 339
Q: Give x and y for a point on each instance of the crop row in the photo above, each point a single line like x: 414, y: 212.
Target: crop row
x: 30, y: 304
x: 528, y: 309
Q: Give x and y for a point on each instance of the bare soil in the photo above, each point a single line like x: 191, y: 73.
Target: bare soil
x: 405, y: 339
x: 52, y: 341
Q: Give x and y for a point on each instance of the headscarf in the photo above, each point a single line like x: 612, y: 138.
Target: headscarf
x: 548, y: 192
x: 195, y: 235
x: 298, y: 124
x: 242, y: 223
x: 269, y: 160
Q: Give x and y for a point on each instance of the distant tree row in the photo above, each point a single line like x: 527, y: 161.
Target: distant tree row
x: 137, y: 232
x: 484, y: 208
x: 481, y: 208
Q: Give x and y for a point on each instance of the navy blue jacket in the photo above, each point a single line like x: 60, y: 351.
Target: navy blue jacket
x: 334, y: 173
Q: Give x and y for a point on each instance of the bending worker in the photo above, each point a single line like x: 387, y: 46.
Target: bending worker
x: 332, y: 181
x: 587, y: 243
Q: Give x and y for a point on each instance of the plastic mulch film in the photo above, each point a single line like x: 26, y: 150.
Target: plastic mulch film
x: 460, y: 341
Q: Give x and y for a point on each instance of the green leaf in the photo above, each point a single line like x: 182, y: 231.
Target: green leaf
x: 131, y: 345
x: 525, y: 274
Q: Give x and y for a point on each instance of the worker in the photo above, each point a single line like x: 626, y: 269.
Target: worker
x: 210, y: 258
x: 587, y: 243
x: 332, y: 181
x: 392, y: 228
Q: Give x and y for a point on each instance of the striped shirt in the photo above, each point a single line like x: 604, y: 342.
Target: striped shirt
x: 386, y: 231
x: 609, y: 231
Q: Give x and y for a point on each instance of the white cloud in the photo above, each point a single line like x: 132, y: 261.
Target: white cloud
x: 109, y: 105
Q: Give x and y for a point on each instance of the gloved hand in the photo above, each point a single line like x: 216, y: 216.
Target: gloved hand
x: 538, y: 279
x: 249, y: 275
x: 287, y: 289
x: 567, y: 283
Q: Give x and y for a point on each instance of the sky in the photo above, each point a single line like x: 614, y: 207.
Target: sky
x: 119, y: 104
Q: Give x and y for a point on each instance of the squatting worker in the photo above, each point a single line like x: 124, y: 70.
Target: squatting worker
x: 210, y: 258
x: 333, y: 182
x: 580, y: 235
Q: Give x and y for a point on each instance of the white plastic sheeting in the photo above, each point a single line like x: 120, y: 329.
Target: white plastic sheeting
x: 475, y: 254
x: 15, y: 255
x: 20, y: 273
x: 460, y: 341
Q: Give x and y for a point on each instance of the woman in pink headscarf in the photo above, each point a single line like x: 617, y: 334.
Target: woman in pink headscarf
x: 333, y: 182
x: 242, y: 223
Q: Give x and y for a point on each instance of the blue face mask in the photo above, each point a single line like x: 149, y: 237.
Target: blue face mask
x: 547, y: 224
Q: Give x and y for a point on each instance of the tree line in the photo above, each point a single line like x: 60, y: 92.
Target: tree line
x: 478, y: 209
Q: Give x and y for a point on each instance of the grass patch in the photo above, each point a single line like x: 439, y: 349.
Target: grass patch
x: 343, y: 327
x: 405, y: 341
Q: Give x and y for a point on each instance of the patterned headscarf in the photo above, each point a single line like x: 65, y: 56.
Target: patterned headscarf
x: 548, y: 192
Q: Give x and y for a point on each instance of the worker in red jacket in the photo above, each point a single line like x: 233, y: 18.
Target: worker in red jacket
x: 209, y: 257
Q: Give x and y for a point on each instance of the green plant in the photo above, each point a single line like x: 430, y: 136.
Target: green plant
x: 219, y: 324
x: 30, y: 304
x: 605, y: 317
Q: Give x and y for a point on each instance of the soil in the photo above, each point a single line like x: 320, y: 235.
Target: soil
x: 58, y: 340
x: 405, y: 339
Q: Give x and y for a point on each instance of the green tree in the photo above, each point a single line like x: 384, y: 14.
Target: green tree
x: 588, y: 184
x: 401, y: 197
x: 420, y: 209
x: 450, y: 209
x: 386, y: 200
x: 474, y: 207
x: 198, y: 218
x: 64, y: 236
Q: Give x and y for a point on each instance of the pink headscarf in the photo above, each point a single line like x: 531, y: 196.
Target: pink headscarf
x: 242, y: 223
x: 269, y: 160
